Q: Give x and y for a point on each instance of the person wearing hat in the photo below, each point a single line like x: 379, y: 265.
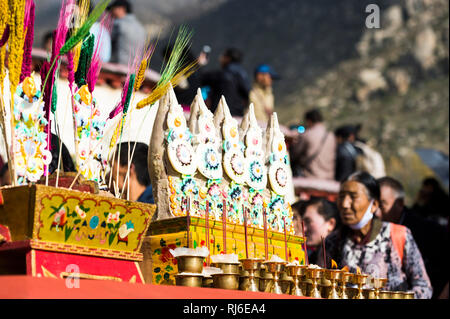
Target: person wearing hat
x: 261, y: 93
x: 127, y: 34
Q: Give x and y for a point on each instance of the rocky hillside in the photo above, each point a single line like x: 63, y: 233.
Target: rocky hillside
x: 394, y: 80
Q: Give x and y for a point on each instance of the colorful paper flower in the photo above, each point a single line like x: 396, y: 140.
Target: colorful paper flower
x: 214, y: 190
x: 189, y: 186
x: 237, y: 164
x: 257, y: 200
x: 211, y: 159
x: 256, y: 171
x: 183, y: 155
x: 281, y: 176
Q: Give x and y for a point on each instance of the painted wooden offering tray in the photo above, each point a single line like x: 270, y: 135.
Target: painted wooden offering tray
x: 71, y: 221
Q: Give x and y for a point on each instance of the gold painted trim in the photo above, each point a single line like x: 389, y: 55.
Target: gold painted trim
x: 84, y: 250
x: 33, y: 262
x: 139, y: 272
x: 47, y: 274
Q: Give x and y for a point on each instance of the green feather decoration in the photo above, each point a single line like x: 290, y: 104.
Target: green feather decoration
x: 129, y: 93
x: 54, y: 98
x: 87, y: 49
x: 83, y: 31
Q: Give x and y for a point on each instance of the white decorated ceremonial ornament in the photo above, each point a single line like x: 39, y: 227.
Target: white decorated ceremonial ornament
x: 209, y: 159
x: 257, y: 172
x: 230, y: 132
x: 278, y: 169
x: 180, y: 152
x: 29, y: 146
x: 182, y: 157
x: 235, y: 165
x: 90, y: 128
x: 233, y: 160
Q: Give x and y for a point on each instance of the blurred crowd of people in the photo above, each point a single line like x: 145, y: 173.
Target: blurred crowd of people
x: 371, y: 227
x: 230, y: 80
x: 120, y: 40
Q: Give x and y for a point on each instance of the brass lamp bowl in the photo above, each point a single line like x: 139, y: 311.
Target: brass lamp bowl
x: 314, y: 273
x: 352, y: 292
x: 360, y: 279
x: 245, y: 282
x: 397, y: 295
x: 333, y: 274
x: 207, y: 282
x: 226, y: 281
x: 274, y: 266
x: 408, y: 295
x: 227, y: 268
x: 251, y: 263
x: 266, y: 282
x: 330, y: 290
x: 189, y: 280
x: 346, y: 277
x: 296, y: 271
x: 385, y: 294
x: 379, y: 283
x: 369, y: 293
x: 286, y: 284
x: 192, y: 264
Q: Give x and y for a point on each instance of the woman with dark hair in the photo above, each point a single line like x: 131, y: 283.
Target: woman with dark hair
x: 320, y: 218
x: 380, y: 249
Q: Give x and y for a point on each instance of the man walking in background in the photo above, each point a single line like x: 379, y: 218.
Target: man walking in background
x: 231, y: 81
x: 313, y: 154
x: 261, y: 94
x: 127, y: 33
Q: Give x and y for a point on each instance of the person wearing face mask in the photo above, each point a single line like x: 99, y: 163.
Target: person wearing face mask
x: 380, y: 249
x: 320, y: 218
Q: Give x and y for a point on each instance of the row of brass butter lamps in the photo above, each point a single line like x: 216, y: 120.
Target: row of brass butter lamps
x: 253, y: 274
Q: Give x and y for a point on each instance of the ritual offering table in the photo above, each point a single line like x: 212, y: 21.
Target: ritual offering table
x: 172, y: 233
x: 57, y: 232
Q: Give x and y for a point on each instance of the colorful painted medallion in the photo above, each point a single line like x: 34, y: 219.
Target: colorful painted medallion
x: 180, y: 151
x: 257, y: 172
x: 182, y: 157
x: 208, y: 149
x: 233, y: 160
x: 279, y: 165
x: 209, y: 161
x: 90, y: 129
x: 235, y: 166
x: 30, y: 142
